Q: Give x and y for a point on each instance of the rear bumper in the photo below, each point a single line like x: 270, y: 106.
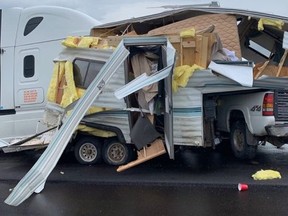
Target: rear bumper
x: 280, y: 130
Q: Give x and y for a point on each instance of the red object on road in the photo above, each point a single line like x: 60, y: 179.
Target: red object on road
x: 242, y: 187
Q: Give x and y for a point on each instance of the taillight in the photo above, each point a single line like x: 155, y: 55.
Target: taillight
x: 268, y: 101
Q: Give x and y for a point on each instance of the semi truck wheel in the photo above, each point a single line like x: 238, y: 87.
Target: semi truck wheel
x: 116, y: 153
x: 238, y: 140
x: 88, y: 150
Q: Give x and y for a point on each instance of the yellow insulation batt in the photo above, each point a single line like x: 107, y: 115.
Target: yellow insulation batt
x: 70, y: 94
x: 86, y: 42
x: 58, y: 72
x: 188, y: 33
x: 182, y: 74
x: 96, y: 132
x: 71, y: 41
x: 266, y: 174
x: 63, y: 80
x: 53, y: 86
x: 272, y: 22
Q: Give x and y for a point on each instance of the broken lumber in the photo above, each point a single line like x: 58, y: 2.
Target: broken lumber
x: 281, y: 62
x: 147, y: 153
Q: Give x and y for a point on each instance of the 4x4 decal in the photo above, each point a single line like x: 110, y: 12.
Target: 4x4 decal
x: 256, y: 108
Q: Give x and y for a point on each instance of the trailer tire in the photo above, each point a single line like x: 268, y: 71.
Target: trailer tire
x: 116, y: 153
x: 88, y: 150
x: 238, y: 139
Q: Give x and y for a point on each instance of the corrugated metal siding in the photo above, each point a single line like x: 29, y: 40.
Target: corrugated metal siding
x: 271, y: 82
x: 202, y: 78
x: 117, y: 119
x: 187, y: 130
x: 187, y: 117
x: 187, y: 98
x: 107, y: 97
x: 69, y: 54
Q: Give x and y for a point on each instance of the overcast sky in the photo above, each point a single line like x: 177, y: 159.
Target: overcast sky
x: 112, y: 10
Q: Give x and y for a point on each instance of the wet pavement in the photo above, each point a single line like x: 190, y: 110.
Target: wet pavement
x: 197, y: 183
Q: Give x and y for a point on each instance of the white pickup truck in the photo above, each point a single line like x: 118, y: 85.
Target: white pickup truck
x: 252, y: 118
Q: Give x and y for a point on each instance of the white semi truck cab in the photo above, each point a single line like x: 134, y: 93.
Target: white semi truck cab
x: 29, y: 40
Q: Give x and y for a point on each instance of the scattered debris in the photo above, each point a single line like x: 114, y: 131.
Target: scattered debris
x: 242, y: 187
x: 266, y: 174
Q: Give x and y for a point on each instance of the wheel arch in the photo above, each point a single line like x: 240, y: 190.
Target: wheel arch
x: 236, y: 115
x: 119, y: 134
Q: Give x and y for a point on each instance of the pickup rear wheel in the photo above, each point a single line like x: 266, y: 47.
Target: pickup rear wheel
x: 88, y: 150
x: 238, y: 140
x: 116, y: 153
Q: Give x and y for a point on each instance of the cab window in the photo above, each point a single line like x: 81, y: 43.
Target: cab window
x: 29, y: 66
x: 32, y: 24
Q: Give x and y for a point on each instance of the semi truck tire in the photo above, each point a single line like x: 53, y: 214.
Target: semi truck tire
x: 238, y: 140
x: 116, y: 153
x: 88, y: 150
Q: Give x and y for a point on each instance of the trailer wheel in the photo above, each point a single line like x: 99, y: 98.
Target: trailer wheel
x: 116, y: 153
x: 88, y: 150
x: 238, y: 140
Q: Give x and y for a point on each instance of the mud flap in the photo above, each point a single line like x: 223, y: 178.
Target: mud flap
x: 250, y: 138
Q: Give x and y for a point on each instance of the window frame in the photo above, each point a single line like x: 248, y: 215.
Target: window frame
x: 28, y: 68
x: 90, y: 62
x: 32, y: 24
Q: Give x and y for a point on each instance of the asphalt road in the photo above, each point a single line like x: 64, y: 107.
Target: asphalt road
x: 196, y: 183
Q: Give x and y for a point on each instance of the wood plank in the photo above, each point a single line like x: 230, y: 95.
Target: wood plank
x: 261, y: 69
x: 102, y: 32
x: 175, y: 41
x: 204, y: 52
x: 198, y: 49
x: 174, y: 38
x: 188, y: 51
x: 211, y: 41
x: 114, y: 40
x: 147, y: 153
x: 177, y: 47
x: 282, y: 62
x: 188, y: 43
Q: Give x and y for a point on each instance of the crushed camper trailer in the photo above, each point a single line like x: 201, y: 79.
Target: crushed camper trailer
x: 176, y: 80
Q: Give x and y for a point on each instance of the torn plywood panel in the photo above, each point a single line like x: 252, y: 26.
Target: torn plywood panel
x: 225, y: 26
